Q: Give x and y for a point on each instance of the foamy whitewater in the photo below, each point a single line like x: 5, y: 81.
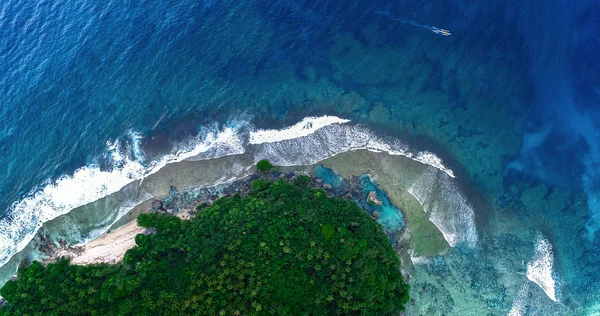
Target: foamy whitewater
x: 417, y: 259
x: 89, y: 183
x: 318, y: 138
x: 518, y: 308
x: 86, y: 185
x: 447, y: 207
x: 307, y: 126
x: 539, y: 269
x: 307, y: 142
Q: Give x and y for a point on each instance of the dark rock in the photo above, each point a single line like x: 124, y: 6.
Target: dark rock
x: 202, y: 205
x: 149, y: 231
x: 372, y: 198
x: 157, y: 205
x: 281, y: 176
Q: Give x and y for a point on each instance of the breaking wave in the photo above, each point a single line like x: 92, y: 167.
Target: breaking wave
x: 518, y: 305
x: 318, y: 138
x: 90, y: 183
x: 309, y: 141
x: 539, y: 269
x: 306, y: 127
x: 417, y: 259
x: 447, y: 207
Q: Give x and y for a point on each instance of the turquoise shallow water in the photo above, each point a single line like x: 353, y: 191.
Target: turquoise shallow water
x: 94, y: 95
x: 390, y: 217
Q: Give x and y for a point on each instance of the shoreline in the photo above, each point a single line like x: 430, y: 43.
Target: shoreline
x: 110, y: 247
x: 440, y: 275
x: 189, y: 179
x: 283, y: 147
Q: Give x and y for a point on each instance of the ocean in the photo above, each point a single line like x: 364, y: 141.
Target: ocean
x: 499, y: 99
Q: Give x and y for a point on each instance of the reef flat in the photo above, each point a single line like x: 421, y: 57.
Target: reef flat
x: 451, y: 255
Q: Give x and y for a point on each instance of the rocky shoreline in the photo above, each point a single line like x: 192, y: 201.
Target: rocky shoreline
x: 178, y: 203
x: 183, y: 205
x: 480, y: 279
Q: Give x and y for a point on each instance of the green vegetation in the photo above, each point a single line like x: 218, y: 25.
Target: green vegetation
x: 265, y: 166
x: 284, y: 249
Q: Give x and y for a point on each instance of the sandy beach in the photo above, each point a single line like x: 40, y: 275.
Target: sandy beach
x: 110, y: 247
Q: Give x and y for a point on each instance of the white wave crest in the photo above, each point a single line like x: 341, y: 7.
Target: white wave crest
x: 208, y: 145
x: 431, y: 159
x: 88, y: 184
x: 318, y: 138
x: 309, y: 141
x: 518, y: 305
x: 136, y: 139
x: 307, y: 126
x: 416, y: 259
x: 539, y: 269
x: 447, y: 207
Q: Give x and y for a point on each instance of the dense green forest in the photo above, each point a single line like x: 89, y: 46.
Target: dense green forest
x: 283, y: 249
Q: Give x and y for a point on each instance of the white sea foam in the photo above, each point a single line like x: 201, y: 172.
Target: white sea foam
x: 431, y: 159
x: 518, y: 305
x: 311, y: 140
x: 424, y: 188
x: 416, y: 259
x: 318, y: 138
x: 307, y: 126
x: 447, y: 207
x: 88, y: 184
x: 209, y: 145
x: 136, y: 139
x: 539, y: 269
x: 113, y: 149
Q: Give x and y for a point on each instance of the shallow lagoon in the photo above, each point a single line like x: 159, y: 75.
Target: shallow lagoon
x: 388, y: 216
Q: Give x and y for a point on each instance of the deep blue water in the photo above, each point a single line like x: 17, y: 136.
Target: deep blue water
x: 76, y: 75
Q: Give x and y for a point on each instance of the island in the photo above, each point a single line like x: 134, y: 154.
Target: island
x: 284, y: 247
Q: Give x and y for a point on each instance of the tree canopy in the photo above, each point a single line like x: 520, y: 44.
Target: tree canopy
x: 265, y: 166
x: 283, y: 249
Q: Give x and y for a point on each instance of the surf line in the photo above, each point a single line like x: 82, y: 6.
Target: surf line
x: 431, y: 28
